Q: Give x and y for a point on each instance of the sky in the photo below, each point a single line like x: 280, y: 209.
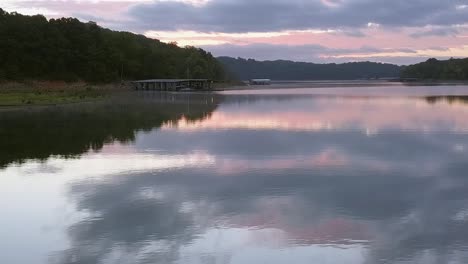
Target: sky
x: 321, y: 31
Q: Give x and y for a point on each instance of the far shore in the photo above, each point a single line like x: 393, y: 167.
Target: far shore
x: 282, y: 84
x: 17, y: 95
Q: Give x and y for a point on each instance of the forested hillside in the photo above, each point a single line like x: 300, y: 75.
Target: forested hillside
x: 289, y: 70
x: 34, y: 48
x: 453, y: 69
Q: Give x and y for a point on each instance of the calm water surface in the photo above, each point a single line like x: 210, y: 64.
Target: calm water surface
x: 361, y: 175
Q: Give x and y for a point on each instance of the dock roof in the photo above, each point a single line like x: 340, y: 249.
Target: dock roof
x: 170, y: 80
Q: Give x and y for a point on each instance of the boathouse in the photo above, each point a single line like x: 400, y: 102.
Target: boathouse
x: 260, y: 81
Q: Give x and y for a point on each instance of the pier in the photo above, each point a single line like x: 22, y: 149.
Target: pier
x: 173, y: 84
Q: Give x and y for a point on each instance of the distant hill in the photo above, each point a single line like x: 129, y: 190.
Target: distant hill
x: 245, y: 69
x: 433, y: 69
x: 34, y: 48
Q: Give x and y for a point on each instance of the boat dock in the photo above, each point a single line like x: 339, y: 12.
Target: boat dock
x: 172, y: 84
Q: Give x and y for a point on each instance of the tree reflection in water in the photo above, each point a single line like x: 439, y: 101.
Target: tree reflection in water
x: 71, y: 130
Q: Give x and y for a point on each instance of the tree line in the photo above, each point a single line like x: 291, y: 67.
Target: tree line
x: 433, y: 69
x: 246, y: 69
x: 35, y: 48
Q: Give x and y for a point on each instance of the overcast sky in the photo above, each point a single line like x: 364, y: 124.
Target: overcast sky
x: 396, y: 31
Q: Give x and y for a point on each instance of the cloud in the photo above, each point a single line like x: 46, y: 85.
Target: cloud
x: 270, y: 52
x: 153, y: 216
x: 301, y: 30
x: 162, y: 215
x: 353, y: 33
x: 438, y: 32
x: 310, y: 53
x: 109, y: 13
x: 275, y: 15
x: 237, y: 16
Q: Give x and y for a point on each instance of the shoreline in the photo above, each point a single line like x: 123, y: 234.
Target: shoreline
x: 37, y: 94
x: 295, y: 84
x: 43, y: 93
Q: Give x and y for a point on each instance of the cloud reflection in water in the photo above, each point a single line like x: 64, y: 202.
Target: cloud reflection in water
x: 234, y: 189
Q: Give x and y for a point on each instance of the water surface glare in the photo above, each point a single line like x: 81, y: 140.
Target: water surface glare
x: 333, y: 175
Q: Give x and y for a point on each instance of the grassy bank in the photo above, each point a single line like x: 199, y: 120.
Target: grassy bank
x: 18, y: 94
x: 50, y: 93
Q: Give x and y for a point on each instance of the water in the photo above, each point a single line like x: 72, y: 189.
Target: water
x: 361, y: 175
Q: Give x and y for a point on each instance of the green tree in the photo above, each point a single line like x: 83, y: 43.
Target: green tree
x: 32, y: 47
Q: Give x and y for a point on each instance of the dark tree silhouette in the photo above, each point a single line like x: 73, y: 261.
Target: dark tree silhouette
x: 34, y: 48
x: 453, y: 69
x: 289, y: 70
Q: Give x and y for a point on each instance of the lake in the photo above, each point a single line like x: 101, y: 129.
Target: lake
x: 325, y: 175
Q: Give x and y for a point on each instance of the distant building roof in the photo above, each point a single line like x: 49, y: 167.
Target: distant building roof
x: 260, y: 80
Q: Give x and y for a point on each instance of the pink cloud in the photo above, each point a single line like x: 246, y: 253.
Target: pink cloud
x: 326, y: 158
x: 117, y: 14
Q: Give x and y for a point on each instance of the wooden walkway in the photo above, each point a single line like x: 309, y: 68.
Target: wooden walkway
x: 172, y: 84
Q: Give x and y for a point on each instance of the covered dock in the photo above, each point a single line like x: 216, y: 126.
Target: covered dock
x: 172, y: 84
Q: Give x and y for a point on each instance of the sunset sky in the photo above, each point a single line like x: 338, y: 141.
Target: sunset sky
x: 396, y: 31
